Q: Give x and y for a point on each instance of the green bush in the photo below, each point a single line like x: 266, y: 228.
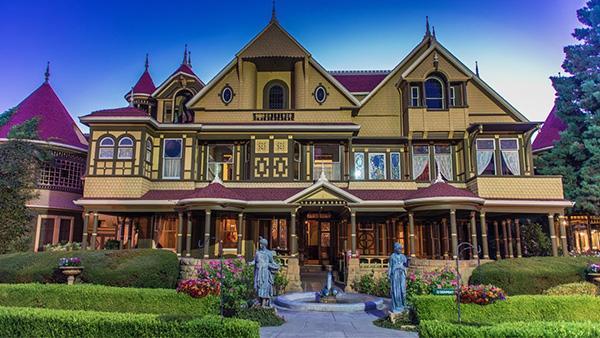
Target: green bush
x: 532, y: 275
x: 370, y: 285
x: 513, y: 309
x: 263, y: 316
x: 28, y: 322
x: 144, y: 268
x: 572, y: 289
x: 105, y: 298
x: 435, y: 328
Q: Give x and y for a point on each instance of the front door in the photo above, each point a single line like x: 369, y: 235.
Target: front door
x: 317, y: 239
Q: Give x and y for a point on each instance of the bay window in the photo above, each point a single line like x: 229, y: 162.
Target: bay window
x: 359, y: 166
x: 395, y: 166
x: 377, y: 166
x: 443, y: 161
x: 486, y: 156
x: 420, y: 163
x: 509, y: 148
x: 172, y: 151
x: 106, y: 150
x: 326, y: 158
x: 125, y: 149
x: 220, y: 161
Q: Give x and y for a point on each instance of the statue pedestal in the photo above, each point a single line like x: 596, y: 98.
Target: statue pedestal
x: 293, y: 275
x: 353, y: 273
x: 399, y: 316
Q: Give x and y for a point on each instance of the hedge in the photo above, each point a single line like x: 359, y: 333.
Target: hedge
x: 532, y: 275
x: 106, y: 298
x: 514, y: 309
x: 579, y: 288
x: 435, y: 328
x: 144, y: 268
x: 29, y: 322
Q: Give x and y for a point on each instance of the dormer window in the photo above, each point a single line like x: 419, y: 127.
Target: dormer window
x: 434, y: 93
x: 276, y: 95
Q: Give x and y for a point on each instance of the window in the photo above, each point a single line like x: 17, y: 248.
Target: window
x: 149, y: 150
x: 509, y: 148
x: 172, y: 158
x: 297, y: 159
x: 220, y: 161
x: 227, y: 95
x: 414, y: 96
x: 443, y: 161
x: 395, y: 166
x: 485, y: 157
x: 228, y: 231
x: 275, y: 95
x: 452, y: 96
x: 326, y: 157
x: 420, y: 165
x: 456, y: 95
x: 63, y: 173
x: 279, y: 234
x: 359, y: 166
x: 168, y: 112
x: 107, y: 149
x: 181, y: 114
x: 320, y: 94
x: 377, y: 166
x: 434, y: 93
x: 125, y: 150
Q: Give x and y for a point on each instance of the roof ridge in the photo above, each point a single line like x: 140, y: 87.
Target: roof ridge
x: 360, y: 72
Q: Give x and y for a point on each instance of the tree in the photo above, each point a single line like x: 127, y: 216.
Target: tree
x: 20, y: 163
x: 535, y: 242
x: 576, y: 156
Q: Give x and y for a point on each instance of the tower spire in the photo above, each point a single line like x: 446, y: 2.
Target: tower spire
x: 185, y: 56
x: 427, y: 31
x: 47, y: 73
x: 433, y: 31
x: 476, y: 68
x: 190, y: 59
x: 273, y: 12
x: 146, y: 64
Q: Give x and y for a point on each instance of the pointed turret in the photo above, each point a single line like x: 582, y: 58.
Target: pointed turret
x: 145, y: 85
x: 186, y: 64
x: 427, y: 30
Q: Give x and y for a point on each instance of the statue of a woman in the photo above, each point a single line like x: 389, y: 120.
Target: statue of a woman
x: 264, y: 269
x: 398, y: 263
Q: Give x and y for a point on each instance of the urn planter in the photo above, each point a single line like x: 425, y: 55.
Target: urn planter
x: 71, y: 272
x: 594, y: 277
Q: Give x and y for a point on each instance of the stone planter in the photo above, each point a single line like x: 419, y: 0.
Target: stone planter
x: 594, y: 277
x: 71, y: 272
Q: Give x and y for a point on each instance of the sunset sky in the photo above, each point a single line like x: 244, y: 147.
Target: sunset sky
x: 97, y: 49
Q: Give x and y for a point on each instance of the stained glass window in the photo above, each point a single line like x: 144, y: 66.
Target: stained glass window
x: 377, y: 166
x: 395, y: 166
x: 359, y: 166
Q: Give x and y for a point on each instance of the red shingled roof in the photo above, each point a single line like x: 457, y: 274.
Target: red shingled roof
x: 440, y: 189
x: 549, y: 133
x: 145, y: 85
x: 360, y: 81
x: 55, y: 125
x: 184, y: 68
x: 119, y: 112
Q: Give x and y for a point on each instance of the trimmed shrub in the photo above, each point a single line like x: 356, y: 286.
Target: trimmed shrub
x: 144, y: 268
x: 28, y: 322
x: 513, y: 309
x: 263, y: 316
x: 532, y: 275
x: 104, y: 298
x: 435, y: 328
x: 572, y: 289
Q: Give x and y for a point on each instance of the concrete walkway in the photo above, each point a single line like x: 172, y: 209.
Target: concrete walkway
x: 331, y: 324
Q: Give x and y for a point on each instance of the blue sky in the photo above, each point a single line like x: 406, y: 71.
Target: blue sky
x: 97, y: 48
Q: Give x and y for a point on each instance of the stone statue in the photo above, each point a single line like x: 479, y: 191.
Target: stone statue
x: 264, y: 270
x: 398, y: 263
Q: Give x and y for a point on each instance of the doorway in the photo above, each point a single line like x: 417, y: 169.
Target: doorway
x: 318, y: 249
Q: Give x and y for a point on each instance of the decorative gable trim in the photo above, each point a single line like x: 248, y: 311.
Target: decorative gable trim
x: 169, y: 81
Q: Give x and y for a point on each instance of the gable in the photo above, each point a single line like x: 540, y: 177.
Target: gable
x: 425, y: 65
x: 211, y: 98
x: 273, y: 41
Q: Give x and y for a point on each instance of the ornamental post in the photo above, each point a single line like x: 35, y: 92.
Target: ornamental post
x: 552, y: 234
x: 484, y: 237
x: 206, y: 233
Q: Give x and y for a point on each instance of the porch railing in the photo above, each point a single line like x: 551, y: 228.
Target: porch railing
x: 373, y: 262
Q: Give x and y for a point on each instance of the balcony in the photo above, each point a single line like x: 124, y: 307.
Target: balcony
x: 517, y: 187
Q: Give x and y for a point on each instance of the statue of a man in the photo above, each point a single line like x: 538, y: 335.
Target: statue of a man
x: 264, y: 269
x: 398, y: 263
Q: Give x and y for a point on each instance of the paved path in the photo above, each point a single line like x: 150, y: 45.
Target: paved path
x: 331, y: 324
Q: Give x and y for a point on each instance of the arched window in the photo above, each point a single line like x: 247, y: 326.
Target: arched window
x: 106, y: 150
x: 149, y: 150
x: 434, y: 93
x: 125, y: 149
x: 275, y: 95
x: 181, y: 114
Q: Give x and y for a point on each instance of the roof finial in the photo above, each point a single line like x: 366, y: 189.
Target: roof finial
x: 185, y: 56
x: 131, y: 98
x: 190, y: 59
x: 427, y: 31
x: 439, y: 178
x: 476, y: 68
x: 433, y: 29
x: 217, y: 178
x: 273, y: 12
x: 47, y: 73
x: 323, y: 177
x: 146, y: 64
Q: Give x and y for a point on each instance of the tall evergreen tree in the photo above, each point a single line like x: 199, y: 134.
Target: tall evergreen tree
x: 576, y: 156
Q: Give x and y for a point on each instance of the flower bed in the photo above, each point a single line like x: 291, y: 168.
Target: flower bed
x: 426, y: 283
x: 69, y: 261
x: 593, y: 268
x: 199, y: 288
x: 480, y: 294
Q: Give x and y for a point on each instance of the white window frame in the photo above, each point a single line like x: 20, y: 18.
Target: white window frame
x: 172, y: 158
x: 415, y: 90
x: 101, y: 147
x: 443, y: 98
x: 452, y: 96
x: 494, y: 150
x: 149, y: 150
x: 124, y: 147
x: 518, y: 151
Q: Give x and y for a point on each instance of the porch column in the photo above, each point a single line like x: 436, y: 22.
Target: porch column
x: 188, y: 235
x: 553, y: 234
x: 180, y: 234
x: 510, y: 239
x: 484, y: 239
x: 497, y: 239
x: 120, y: 231
x: 504, y: 239
x: 518, y: 235
x: 453, y: 233
x: 240, y: 232
x: 293, y: 236
x: 353, y: 231
x: 206, y: 233
x: 94, y: 231
x: 131, y: 233
x: 411, y: 233
x: 474, y: 235
x: 377, y: 239
x: 445, y: 239
x: 563, y: 234
x: 86, y: 220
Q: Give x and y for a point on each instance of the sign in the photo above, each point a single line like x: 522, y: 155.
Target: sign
x: 443, y: 292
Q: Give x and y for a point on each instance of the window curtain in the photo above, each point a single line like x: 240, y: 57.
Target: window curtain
x: 419, y: 164
x: 511, y: 158
x: 483, y: 160
x: 444, y: 165
x: 172, y: 167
